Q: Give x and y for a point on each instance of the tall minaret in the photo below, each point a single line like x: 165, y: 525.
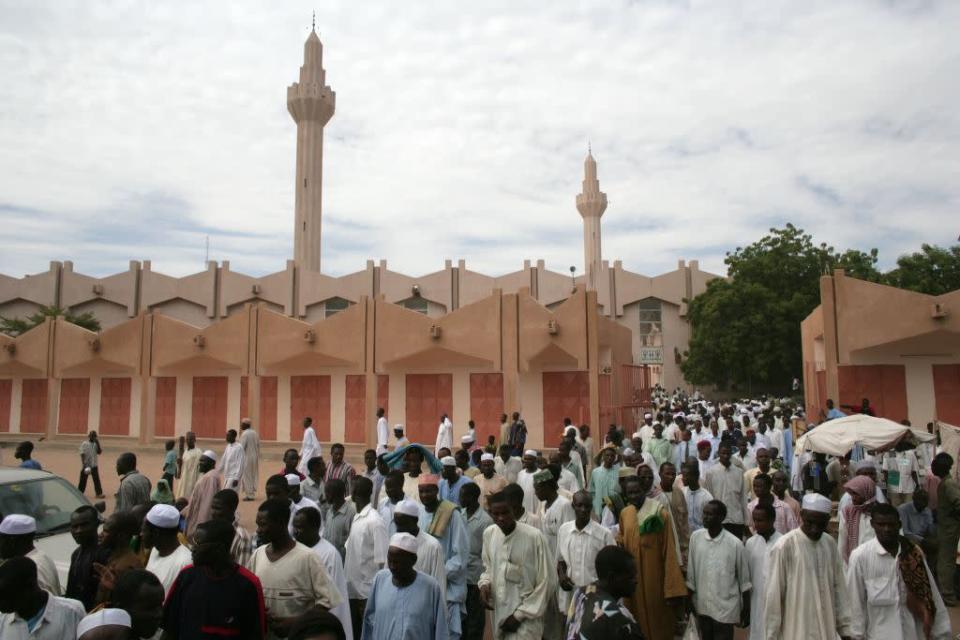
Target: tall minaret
x: 311, y: 103
x: 591, y: 203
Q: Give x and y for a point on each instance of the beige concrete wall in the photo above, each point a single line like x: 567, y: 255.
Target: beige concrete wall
x: 863, y: 323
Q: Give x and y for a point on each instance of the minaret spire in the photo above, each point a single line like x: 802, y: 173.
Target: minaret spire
x: 591, y: 203
x: 311, y: 103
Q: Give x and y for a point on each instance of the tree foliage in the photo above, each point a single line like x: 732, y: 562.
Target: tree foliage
x: 746, y: 329
x: 18, y: 326
x: 932, y: 270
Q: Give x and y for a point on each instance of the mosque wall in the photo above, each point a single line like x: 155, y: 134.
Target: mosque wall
x: 896, y: 347
x: 154, y: 377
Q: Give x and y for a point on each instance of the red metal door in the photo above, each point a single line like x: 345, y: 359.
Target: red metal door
x: 310, y: 396
x: 355, y: 409
x: 115, y: 406
x: 74, y: 405
x: 268, y: 408
x: 884, y: 384
x: 6, y: 403
x: 566, y: 394
x: 946, y: 389
x: 165, y: 412
x: 428, y: 396
x: 486, y: 403
x: 209, y: 415
x: 33, y: 406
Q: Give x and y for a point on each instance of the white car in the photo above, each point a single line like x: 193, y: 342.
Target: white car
x: 48, y: 498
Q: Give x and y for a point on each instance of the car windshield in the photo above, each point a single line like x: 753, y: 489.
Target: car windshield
x: 49, y: 500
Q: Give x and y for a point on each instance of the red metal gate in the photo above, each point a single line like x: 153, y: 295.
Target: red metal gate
x: 635, y: 388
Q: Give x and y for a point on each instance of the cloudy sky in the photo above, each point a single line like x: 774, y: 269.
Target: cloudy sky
x: 134, y: 130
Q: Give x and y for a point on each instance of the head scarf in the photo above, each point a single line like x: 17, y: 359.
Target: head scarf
x: 161, y: 493
x: 865, y: 488
x: 394, y: 459
x: 648, y: 461
x: 913, y: 570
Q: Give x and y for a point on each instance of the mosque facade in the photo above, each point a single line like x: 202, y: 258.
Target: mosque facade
x: 201, y: 351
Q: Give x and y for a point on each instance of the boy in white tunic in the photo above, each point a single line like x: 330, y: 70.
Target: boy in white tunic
x: 517, y: 578
x: 430, y: 557
x: 758, y: 549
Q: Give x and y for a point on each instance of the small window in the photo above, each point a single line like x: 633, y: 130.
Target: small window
x: 417, y: 304
x: 334, y: 306
x: 651, y: 321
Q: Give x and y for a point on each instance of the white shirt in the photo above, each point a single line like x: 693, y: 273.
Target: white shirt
x: 644, y: 433
x: 717, y: 573
x: 231, y: 464
x: 758, y: 552
x: 726, y: 485
x: 330, y: 558
x: 383, y: 434
x: 878, y: 598
x: 366, y: 552
x: 578, y: 548
x: 509, y: 469
x: 431, y: 560
x: 525, y: 480
x: 568, y: 481
x: 47, y: 576
x: 864, y: 534
x: 776, y: 440
x: 58, y: 622
x: 551, y: 518
x: 695, y: 502
x: 168, y: 568
x: 905, y: 463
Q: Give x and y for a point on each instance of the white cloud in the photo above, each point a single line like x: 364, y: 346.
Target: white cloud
x: 133, y: 130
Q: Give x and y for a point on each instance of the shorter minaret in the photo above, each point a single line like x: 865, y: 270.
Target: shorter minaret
x: 591, y: 203
x: 311, y: 104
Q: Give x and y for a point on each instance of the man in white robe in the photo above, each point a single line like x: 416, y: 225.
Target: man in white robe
x: 187, y: 469
x: 444, y: 435
x: 517, y: 579
x: 250, y: 443
x: 525, y: 479
x: 383, y: 432
x: 231, y: 462
x: 806, y: 593
x: 879, y: 592
x: 310, y: 447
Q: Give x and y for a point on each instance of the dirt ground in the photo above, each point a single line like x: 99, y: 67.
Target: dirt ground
x: 61, y: 457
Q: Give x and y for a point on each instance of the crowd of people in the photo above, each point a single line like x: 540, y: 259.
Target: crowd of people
x: 701, y: 519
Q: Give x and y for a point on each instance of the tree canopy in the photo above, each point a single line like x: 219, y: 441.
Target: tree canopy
x: 18, y: 326
x: 745, y: 329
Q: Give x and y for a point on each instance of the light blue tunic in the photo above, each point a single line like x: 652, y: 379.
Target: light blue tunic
x: 456, y: 549
x: 414, y: 612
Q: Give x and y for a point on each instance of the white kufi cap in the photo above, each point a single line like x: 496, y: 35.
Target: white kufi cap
x: 404, y: 541
x: 210, y: 454
x: 817, y: 502
x: 448, y: 461
x: 17, y: 524
x: 530, y: 452
x: 466, y: 439
x: 485, y: 457
x: 293, y: 480
x: 407, y: 507
x: 164, y: 516
x: 103, y: 618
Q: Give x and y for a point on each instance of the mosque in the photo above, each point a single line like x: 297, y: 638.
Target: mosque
x: 201, y: 351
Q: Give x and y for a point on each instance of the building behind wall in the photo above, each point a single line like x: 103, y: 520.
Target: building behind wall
x: 201, y: 351
x: 898, y: 348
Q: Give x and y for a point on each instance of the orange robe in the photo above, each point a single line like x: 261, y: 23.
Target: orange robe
x: 658, y: 570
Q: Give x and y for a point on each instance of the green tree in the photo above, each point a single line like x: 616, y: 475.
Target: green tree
x: 745, y: 330
x: 932, y: 270
x: 18, y: 326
